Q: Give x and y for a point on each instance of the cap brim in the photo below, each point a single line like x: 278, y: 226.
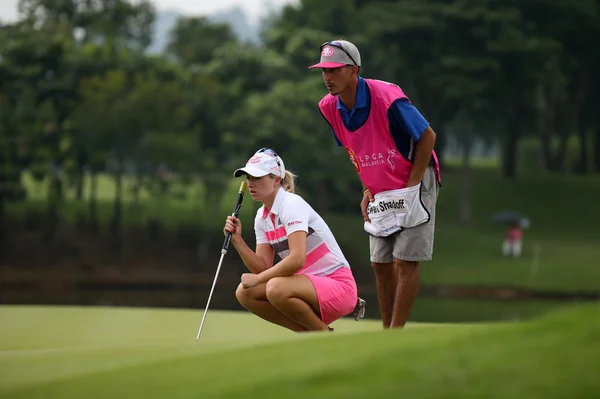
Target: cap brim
x: 249, y: 170
x: 328, y: 65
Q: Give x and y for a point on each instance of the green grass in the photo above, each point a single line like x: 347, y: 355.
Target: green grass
x: 476, y: 162
x: 452, y: 310
x: 48, y: 352
x: 51, y: 344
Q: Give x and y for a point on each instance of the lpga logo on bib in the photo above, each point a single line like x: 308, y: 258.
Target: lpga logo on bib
x: 373, y: 159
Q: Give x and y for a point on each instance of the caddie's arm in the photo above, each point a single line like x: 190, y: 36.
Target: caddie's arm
x: 423, y: 150
x: 405, y: 117
x: 293, y: 262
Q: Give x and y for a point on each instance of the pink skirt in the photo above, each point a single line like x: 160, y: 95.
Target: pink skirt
x: 337, y: 294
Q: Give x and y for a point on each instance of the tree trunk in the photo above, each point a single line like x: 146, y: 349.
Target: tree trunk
x: 578, y: 117
x: 117, y: 216
x: 594, y: 121
x: 509, y: 164
x: 2, y: 213
x: 137, y: 187
x: 118, y: 204
x: 583, y: 164
x: 80, y: 181
x: 465, y: 189
x: 94, y: 201
x: 546, y: 152
x: 545, y: 127
x: 511, y: 146
x: 554, y: 160
x: 135, y: 208
x: 81, y: 159
x: 596, y: 151
x: 558, y: 163
x: 54, y: 197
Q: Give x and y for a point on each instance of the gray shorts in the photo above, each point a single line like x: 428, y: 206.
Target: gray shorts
x: 415, y: 244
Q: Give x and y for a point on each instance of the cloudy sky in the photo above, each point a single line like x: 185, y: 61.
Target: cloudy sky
x: 253, y: 8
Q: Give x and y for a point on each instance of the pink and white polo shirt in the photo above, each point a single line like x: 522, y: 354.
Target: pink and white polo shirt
x: 291, y: 213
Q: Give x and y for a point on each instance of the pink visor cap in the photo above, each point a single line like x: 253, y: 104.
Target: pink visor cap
x: 262, y: 164
x: 338, y: 53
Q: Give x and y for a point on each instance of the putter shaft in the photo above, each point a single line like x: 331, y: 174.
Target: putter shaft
x: 223, y: 252
x: 226, y: 242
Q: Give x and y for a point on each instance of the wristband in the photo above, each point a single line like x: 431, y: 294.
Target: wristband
x: 365, y: 191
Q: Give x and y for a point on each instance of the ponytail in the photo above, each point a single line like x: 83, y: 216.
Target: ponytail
x: 288, y: 181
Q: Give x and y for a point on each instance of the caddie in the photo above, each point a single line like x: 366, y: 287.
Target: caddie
x: 391, y: 147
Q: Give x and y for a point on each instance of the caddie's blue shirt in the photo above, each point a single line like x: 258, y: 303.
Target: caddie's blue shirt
x: 406, y: 122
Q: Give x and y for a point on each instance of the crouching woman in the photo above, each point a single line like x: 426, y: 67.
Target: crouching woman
x: 312, y: 285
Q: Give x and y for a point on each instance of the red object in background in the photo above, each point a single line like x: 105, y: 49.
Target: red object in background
x: 514, y: 233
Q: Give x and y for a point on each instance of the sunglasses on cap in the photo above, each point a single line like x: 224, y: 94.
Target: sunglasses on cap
x: 339, y: 45
x: 266, y: 151
x: 270, y: 152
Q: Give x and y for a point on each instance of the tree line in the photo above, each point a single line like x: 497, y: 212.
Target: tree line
x: 79, y: 95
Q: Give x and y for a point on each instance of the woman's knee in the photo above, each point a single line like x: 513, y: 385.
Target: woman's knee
x: 243, y: 295
x: 276, y: 289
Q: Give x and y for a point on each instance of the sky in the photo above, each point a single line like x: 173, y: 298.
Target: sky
x: 253, y: 8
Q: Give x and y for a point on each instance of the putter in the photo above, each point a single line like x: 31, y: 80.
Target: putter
x: 235, y: 213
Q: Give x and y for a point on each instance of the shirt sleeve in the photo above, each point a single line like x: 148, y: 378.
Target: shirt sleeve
x: 406, y: 117
x: 259, y: 232
x: 295, y: 215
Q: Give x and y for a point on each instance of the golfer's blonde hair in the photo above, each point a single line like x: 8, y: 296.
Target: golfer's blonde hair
x: 288, y: 182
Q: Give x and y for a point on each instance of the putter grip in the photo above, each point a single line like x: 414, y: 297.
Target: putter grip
x: 236, y: 212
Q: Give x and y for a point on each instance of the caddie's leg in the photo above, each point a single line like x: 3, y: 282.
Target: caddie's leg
x: 413, y: 246
x: 386, y: 275
x: 296, y: 297
x: 386, y: 278
x: 406, y: 291
x: 255, y: 300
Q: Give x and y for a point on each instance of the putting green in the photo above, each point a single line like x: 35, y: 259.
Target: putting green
x: 56, y: 352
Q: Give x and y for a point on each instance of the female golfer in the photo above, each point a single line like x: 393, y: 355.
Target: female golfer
x: 312, y: 285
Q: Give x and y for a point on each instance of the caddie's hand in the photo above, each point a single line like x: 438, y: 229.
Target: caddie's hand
x: 234, y: 226
x: 250, y: 280
x: 412, y: 182
x: 367, y: 197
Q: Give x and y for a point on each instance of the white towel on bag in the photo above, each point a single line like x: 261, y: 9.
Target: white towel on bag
x: 395, y: 210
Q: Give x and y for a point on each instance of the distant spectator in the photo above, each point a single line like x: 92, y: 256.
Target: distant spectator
x: 512, y: 242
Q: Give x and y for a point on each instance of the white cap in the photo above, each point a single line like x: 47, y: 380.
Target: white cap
x: 264, y: 162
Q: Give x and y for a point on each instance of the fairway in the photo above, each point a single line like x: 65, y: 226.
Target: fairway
x: 77, y: 352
